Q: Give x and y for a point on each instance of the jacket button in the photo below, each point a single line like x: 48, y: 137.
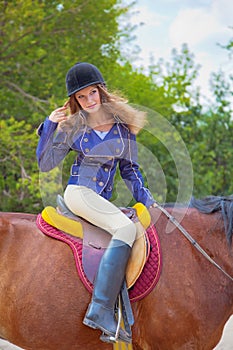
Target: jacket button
x: 118, y: 140
x: 87, y: 150
x: 101, y: 183
x: 106, y: 169
x: 85, y: 139
x: 115, y: 132
x: 117, y: 150
x: 94, y: 178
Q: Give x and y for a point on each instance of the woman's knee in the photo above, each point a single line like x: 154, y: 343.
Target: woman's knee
x: 126, y: 233
x: 132, y: 233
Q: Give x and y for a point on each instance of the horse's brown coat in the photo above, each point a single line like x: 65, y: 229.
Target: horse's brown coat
x: 43, y: 302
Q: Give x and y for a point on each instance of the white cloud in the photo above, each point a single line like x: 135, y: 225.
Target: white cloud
x: 193, y: 26
x: 143, y: 15
x: 199, y: 23
x: 148, y: 34
x: 223, y: 10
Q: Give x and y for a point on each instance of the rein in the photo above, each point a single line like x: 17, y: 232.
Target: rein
x: 194, y: 243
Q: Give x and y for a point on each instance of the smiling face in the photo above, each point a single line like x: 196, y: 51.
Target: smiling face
x: 89, y: 99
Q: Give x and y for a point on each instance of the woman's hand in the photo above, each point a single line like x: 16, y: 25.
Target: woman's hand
x: 59, y: 114
x: 154, y: 205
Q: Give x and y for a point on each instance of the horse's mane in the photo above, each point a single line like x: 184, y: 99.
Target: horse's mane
x: 212, y: 204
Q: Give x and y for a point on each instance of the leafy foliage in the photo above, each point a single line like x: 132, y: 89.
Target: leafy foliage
x: 40, y: 41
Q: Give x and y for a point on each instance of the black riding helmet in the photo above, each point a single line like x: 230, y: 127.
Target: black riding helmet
x: 81, y: 75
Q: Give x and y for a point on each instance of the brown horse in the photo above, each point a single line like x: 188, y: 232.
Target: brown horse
x: 43, y: 302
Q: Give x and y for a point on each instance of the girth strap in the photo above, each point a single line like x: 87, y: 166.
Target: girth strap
x: 127, y: 312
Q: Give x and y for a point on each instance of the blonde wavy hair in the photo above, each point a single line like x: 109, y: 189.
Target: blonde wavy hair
x: 112, y: 104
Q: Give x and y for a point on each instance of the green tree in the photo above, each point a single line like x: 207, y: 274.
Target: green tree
x: 40, y: 41
x: 181, y: 108
x: 18, y: 170
x: 212, y: 153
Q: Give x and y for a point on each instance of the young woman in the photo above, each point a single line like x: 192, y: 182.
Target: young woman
x: 101, y: 129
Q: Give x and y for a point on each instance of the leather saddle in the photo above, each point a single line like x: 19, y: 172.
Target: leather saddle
x: 95, y: 240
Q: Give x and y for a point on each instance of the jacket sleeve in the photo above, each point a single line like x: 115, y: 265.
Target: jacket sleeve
x: 51, y: 149
x: 130, y: 173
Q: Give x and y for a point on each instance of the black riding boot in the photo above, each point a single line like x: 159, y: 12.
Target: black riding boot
x: 109, y: 279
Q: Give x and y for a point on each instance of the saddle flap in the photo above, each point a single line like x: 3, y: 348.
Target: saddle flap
x: 95, y: 241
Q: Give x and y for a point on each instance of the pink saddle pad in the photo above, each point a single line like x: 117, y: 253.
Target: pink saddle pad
x: 146, y: 281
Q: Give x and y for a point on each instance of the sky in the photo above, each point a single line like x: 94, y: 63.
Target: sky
x: 201, y: 24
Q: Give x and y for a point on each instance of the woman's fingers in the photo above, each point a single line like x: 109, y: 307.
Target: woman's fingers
x: 66, y: 104
x: 58, y: 115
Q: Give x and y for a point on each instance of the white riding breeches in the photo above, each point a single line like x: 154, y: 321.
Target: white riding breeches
x: 87, y: 204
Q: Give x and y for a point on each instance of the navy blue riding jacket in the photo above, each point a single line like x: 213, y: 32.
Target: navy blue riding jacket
x: 96, y: 159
